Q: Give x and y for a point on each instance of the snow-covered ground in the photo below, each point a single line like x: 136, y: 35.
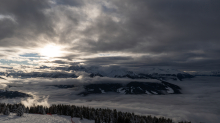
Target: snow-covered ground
x: 198, y: 103
x: 38, y: 118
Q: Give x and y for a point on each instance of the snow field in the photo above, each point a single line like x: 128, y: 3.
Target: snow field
x: 38, y: 118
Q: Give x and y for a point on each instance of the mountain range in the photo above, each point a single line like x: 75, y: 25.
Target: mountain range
x: 147, y: 73
x: 152, y: 88
x: 207, y: 73
x: 112, y: 72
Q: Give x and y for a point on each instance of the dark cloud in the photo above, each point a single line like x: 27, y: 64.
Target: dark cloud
x: 182, y: 34
x: 107, y: 60
x: 6, y: 28
x: 174, y: 29
x: 157, y: 27
x: 59, y: 62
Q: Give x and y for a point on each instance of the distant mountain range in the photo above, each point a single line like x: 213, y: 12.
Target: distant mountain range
x: 12, y: 94
x: 135, y: 87
x: 207, y: 73
x: 41, y: 74
x: 147, y: 73
x: 112, y: 72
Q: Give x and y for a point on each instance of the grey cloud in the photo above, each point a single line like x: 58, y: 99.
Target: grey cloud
x: 107, y: 60
x: 6, y: 28
x: 30, y: 21
x: 1, y: 55
x: 6, y: 67
x: 157, y: 27
x: 44, y: 67
x: 174, y: 28
x: 68, y: 57
x: 59, y: 62
x: 33, y: 20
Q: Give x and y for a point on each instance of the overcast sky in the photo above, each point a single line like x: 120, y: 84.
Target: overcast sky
x: 182, y: 34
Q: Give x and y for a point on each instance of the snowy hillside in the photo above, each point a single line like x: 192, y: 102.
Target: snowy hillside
x: 38, y: 118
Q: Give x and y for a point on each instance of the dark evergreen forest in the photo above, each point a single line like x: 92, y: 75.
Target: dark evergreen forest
x: 98, y: 114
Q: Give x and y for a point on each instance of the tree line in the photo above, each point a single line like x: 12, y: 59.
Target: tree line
x: 98, y: 114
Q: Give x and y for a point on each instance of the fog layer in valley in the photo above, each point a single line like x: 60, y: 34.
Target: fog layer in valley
x: 198, y: 103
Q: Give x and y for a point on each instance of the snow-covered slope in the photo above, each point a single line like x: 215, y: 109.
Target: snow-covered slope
x: 38, y: 118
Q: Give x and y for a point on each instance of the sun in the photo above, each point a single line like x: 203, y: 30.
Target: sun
x: 51, y: 51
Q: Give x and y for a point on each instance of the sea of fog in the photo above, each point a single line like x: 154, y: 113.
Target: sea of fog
x: 198, y: 103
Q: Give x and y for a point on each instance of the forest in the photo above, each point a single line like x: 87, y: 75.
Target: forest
x: 98, y: 114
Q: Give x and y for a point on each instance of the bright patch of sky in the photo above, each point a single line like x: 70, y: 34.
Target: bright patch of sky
x: 24, y: 59
x: 30, y: 55
x: 13, y: 62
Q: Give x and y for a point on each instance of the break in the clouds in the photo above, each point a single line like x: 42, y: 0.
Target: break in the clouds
x: 183, y: 34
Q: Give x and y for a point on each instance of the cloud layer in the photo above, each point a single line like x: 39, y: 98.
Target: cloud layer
x: 198, y: 103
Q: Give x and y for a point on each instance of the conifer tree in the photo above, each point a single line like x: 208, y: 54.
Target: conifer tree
x: 81, y: 117
x: 43, y: 111
x: 14, y: 109
x: 3, y: 108
x: 99, y: 115
x: 27, y: 110
x: 6, y: 112
x: 20, y: 111
x: 0, y: 109
x: 54, y: 109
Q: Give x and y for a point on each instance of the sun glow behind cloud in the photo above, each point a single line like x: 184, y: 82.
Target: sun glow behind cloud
x: 51, y: 51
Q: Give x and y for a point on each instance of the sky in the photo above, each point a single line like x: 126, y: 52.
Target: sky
x: 49, y: 35
x: 181, y: 34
